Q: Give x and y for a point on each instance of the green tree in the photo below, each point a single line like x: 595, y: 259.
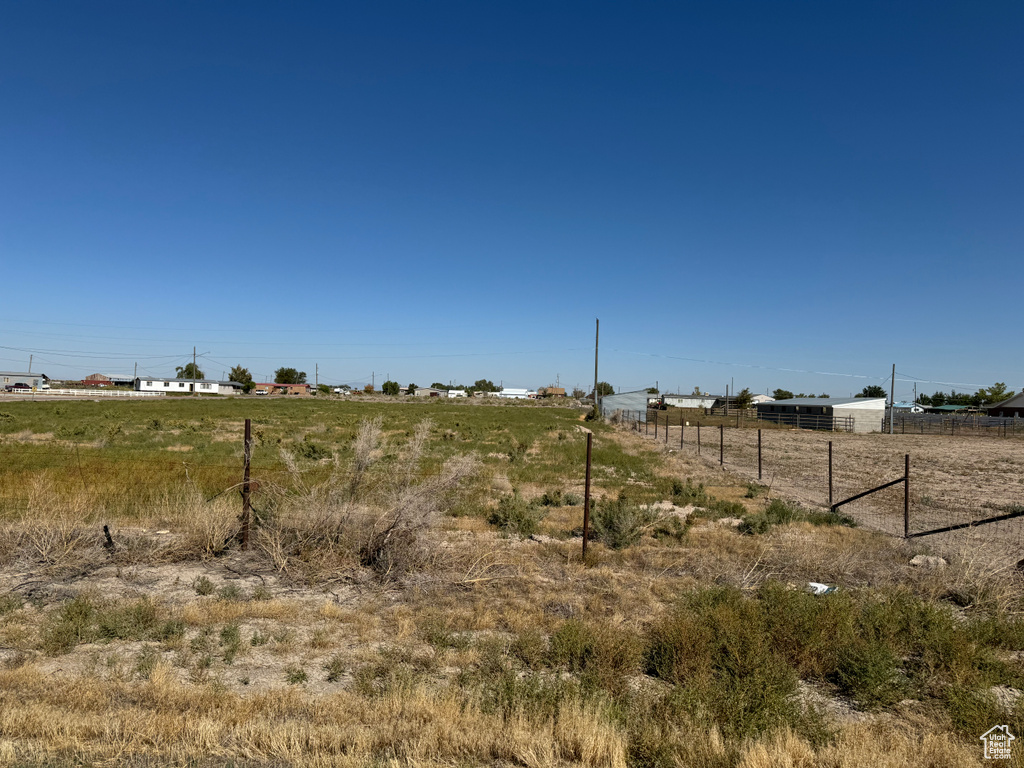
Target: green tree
x: 240, y: 374
x: 994, y: 394
x: 439, y: 385
x: 411, y: 389
x: 578, y: 393
x: 604, y: 389
x: 782, y: 394
x: 289, y: 376
x: 652, y: 391
x: 323, y: 389
x: 190, y: 371
x: 243, y: 377
x: 484, y: 385
x: 743, y: 398
x: 825, y: 395
x: 390, y: 388
x: 872, y: 390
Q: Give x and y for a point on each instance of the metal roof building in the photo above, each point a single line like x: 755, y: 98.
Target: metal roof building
x: 854, y: 414
x: 632, y: 404
x: 1012, y: 407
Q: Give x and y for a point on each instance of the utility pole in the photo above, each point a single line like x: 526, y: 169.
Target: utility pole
x: 373, y: 380
x: 136, y: 374
x: 597, y: 337
x: 30, y: 363
x: 317, y: 376
x: 892, y: 398
x: 193, y: 370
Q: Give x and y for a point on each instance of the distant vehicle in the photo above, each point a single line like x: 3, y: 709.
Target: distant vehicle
x: 19, y: 387
x: 262, y: 392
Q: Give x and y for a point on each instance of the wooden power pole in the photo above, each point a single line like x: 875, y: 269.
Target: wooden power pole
x: 597, y: 338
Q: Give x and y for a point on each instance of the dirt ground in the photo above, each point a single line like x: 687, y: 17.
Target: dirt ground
x: 953, y: 480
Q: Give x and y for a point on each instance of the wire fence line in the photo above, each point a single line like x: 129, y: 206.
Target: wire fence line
x: 959, y: 492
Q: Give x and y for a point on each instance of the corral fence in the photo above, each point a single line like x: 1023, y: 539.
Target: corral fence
x: 973, y: 424
x: 749, y: 418
x: 863, y: 481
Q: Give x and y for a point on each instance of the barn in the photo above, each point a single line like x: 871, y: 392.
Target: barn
x: 847, y: 414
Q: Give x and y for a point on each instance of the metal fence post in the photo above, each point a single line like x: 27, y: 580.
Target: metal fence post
x: 906, y: 496
x: 586, y: 499
x: 830, y: 473
x: 721, y: 443
x: 246, y: 505
x: 682, y: 430
x: 758, y: 453
x: 698, y: 438
x: 666, y: 428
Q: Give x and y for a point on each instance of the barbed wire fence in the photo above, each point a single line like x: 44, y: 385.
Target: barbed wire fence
x: 964, y: 493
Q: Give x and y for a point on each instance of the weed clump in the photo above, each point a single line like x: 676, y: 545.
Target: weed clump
x: 516, y: 515
x: 83, y: 620
x: 620, y: 523
x: 778, y: 512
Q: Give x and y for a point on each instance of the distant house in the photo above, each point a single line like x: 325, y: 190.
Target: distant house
x: 456, y: 393
x: 230, y: 387
x: 1013, y: 407
x: 907, y: 408
x: 177, y: 386
x: 34, y: 380
x: 756, y: 399
x: 273, y: 388
x: 859, y: 414
x: 429, y: 392
x: 551, y: 392
x: 107, y: 380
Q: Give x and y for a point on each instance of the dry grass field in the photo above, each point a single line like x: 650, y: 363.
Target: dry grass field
x: 415, y: 596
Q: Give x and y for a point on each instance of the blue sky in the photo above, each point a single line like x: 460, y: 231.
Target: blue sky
x: 758, y: 192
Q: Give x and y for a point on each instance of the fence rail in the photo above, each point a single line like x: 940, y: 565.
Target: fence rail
x: 970, y: 424
x: 810, y: 421
x: 84, y: 393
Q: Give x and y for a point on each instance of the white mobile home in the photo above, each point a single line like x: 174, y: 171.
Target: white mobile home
x: 181, y: 386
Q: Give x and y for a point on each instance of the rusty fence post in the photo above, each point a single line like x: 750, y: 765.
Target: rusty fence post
x: 758, y: 453
x: 666, y: 428
x: 906, y: 496
x: 682, y: 430
x: 721, y: 444
x: 830, y: 473
x: 246, y: 505
x: 657, y: 419
x: 586, y: 499
x: 698, y: 438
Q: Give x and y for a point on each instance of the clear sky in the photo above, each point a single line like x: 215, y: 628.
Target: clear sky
x: 758, y: 192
